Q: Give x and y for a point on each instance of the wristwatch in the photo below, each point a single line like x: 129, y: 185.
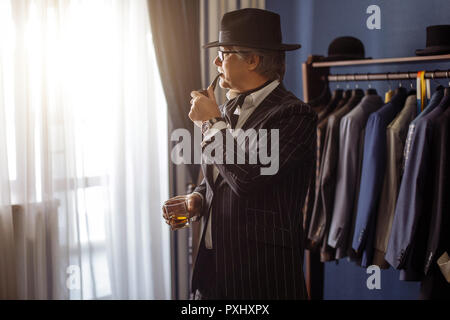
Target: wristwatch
x: 209, y: 123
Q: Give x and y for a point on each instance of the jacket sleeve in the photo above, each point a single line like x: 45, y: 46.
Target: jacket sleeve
x: 347, y: 179
x: 372, y: 174
x: 409, y: 207
x: 201, y: 190
x: 291, y: 143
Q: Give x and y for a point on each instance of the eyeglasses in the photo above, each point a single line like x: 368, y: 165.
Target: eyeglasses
x: 221, y: 53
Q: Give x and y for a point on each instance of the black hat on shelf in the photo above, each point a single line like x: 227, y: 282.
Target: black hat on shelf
x: 251, y: 28
x: 345, y: 48
x: 438, y: 41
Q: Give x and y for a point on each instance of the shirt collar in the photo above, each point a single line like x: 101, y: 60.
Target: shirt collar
x: 255, y: 98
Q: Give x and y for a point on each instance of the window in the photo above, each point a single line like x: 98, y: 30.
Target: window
x: 70, y: 73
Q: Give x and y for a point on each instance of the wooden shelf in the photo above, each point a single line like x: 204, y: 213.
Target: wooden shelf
x: 380, y: 61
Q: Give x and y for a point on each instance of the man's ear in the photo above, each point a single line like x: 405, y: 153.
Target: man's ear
x: 253, y: 62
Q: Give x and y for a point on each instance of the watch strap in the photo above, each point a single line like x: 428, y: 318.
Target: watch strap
x: 209, y: 123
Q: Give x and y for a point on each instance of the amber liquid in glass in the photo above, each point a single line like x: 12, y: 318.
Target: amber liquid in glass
x: 179, y: 222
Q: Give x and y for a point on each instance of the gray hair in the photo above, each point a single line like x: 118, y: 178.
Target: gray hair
x: 272, y: 64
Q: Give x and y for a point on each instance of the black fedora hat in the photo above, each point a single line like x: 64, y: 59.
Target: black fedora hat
x: 345, y: 48
x: 438, y: 41
x: 251, y: 28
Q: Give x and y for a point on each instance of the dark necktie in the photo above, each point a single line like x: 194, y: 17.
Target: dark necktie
x: 231, y: 105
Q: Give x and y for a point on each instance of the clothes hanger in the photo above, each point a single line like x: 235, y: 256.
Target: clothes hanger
x: 336, y: 96
x: 400, y: 88
x: 357, y: 92
x: 347, y: 94
x: 411, y: 91
x: 389, y: 82
x: 447, y: 90
x: 347, y: 85
x: 389, y: 93
x: 337, y: 93
x: 439, y: 86
x: 338, y: 88
x: 432, y: 78
x: 370, y: 90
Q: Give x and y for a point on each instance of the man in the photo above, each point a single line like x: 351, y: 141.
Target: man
x: 252, y: 243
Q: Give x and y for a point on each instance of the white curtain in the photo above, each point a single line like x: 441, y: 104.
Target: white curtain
x: 211, y: 13
x: 83, y: 152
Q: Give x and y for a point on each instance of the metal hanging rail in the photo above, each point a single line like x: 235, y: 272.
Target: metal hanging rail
x: 346, y: 63
x: 437, y: 74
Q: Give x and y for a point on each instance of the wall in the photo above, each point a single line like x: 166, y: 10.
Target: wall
x: 314, y: 24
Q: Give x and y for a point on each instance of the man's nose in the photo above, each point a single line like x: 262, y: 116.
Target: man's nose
x: 217, y: 61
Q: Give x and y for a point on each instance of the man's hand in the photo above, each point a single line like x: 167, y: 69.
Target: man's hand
x: 187, y: 206
x: 203, y: 108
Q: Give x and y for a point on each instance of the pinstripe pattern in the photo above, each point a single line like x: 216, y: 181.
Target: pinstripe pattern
x: 257, y: 222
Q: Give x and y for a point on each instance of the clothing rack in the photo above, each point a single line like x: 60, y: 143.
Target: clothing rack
x: 316, y: 76
x: 436, y: 74
x: 316, y: 73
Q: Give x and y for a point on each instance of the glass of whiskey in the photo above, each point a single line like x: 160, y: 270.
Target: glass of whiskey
x: 176, y: 210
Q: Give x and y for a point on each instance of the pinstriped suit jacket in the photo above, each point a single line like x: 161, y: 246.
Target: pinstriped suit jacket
x: 257, y: 222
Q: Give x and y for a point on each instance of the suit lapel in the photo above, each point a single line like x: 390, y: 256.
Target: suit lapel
x: 208, y: 173
x: 263, y: 111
